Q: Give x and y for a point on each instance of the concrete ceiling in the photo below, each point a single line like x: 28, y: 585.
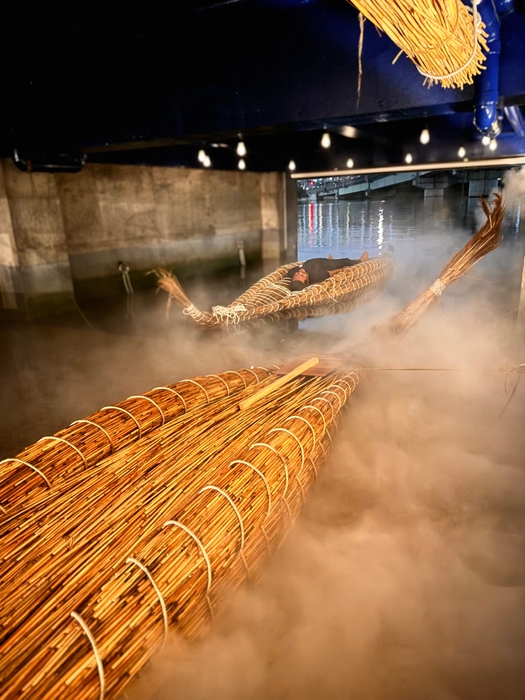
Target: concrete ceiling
x: 153, y: 83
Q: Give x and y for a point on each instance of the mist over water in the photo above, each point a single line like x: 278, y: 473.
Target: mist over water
x: 404, y: 577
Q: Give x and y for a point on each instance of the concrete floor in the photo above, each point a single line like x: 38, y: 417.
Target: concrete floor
x: 405, y: 575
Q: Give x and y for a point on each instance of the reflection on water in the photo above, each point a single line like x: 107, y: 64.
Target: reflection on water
x: 416, y: 228
x: 345, y: 229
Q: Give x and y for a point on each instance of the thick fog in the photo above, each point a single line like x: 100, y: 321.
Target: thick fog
x: 404, y: 577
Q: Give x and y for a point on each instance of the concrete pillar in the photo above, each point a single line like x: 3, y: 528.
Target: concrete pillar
x: 290, y: 223
x: 482, y: 187
x: 42, y: 279
x: 10, y: 284
x: 272, y: 199
x: 434, y: 192
x: 278, y: 216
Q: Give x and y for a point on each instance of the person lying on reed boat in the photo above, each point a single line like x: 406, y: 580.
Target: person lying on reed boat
x: 319, y: 269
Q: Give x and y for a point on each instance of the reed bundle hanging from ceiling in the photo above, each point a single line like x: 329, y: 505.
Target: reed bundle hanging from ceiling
x: 443, y: 38
x: 100, y: 566
x: 271, y: 295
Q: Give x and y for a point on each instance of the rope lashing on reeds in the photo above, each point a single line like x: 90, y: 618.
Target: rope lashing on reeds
x: 109, y: 430
x: 270, y: 298
x: 487, y: 239
x: 151, y: 538
x: 444, y: 39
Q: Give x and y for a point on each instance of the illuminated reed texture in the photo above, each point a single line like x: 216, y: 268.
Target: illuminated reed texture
x: 154, y: 534
x: 84, y: 443
x: 444, y: 39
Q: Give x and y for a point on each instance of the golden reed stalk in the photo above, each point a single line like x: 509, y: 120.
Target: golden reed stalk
x: 441, y: 37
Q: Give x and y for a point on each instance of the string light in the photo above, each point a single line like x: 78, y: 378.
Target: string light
x: 350, y: 163
x: 241, y: 164
x: 201, y: 156
x: 408, y: 158
x: 425, y: 136
x: 493, y: 144
x: 291, y: 165
x: 485, y: 140
x: 241, y: 149
x: 326, y: 141
x: 207, y: 161
x: 462, y: 152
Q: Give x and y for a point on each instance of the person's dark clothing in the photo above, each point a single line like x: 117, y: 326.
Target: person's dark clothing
x: 318, y: 269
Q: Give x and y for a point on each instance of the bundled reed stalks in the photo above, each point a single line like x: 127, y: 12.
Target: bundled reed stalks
x: 484, y: 241
x: 95, y: 572
x: 271, y: 295
x: 55, y: 458
x: 444, y: 39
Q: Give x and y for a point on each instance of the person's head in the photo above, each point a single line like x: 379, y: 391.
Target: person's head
x: 299, y: 280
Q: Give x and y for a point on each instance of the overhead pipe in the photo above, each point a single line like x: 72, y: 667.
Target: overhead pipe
x: 487, y: 84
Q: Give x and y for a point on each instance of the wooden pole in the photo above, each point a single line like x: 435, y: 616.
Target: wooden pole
x: 278, y: 383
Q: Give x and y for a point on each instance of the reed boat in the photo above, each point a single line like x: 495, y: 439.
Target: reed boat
x: 271, y: 299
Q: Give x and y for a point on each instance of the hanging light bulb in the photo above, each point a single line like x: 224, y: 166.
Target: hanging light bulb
x: 485, y: 140
x: 493, y: 144
x: 241, y: 149
x: 408, y: 158
x: 326, y: 141
x: 462, y: 152
x: 201, y: 156
x: 241, y: 164
x: 291, y: 165
x: 350, y: 163
x: 207, y: 161
x: 425, y: 136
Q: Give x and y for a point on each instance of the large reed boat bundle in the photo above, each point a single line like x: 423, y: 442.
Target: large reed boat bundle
x: 444, y: 39
x: 96, y: 568
x: 271, y: 295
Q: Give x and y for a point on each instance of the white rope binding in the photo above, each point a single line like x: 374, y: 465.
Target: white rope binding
x: 159, y: 409
x: 123, y: 410
x: 66, y: 442
x: 285, y: 430
x: 192, y: 381
x: 229, y: 314
x: 131, y: 560
x: 437, y: 288
x: 90, y: 422
x: 287, y: 477
x: 199, y: 545
x: 241, y: 526
x: 167, y: 388
x: 241, y: 461
x: 21, y: 461
x: 100, y: 666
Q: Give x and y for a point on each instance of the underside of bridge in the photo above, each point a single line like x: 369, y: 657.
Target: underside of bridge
x: 156, y: 84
